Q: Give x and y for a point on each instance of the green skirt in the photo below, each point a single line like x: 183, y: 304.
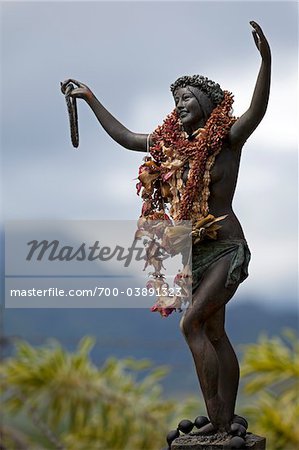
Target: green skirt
x: 207, y: 253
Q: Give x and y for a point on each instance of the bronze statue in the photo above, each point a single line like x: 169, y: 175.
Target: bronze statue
x: 220, y: 265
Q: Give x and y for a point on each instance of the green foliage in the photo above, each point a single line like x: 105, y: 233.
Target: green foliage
x: 77, y: 405
x: 271, y: 372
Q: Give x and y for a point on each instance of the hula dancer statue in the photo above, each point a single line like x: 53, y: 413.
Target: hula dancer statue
x: 193, y: 170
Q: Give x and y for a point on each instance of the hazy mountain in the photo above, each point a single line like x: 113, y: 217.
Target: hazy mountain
x: 141, y: 334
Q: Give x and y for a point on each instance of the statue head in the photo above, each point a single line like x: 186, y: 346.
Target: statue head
x: 195, y: 98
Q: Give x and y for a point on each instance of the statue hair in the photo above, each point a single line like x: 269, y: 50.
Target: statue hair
x: 211, y: 89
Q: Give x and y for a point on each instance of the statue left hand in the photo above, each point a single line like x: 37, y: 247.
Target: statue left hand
x: 260, y: 41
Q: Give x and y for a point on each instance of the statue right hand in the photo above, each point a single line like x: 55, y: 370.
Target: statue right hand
x: 81, y: 91
x: 261, y: 41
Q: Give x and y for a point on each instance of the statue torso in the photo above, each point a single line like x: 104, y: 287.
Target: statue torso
x: 223, y: 182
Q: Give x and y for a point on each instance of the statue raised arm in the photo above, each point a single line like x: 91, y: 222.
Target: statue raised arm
x: 248, y: 122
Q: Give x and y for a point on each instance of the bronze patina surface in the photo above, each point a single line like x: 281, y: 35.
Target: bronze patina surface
x: 203, y: 323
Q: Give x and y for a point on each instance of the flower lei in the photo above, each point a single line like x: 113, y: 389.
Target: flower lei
x: 161, y: 176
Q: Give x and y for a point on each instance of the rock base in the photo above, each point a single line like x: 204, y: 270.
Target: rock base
x: 217, y: 441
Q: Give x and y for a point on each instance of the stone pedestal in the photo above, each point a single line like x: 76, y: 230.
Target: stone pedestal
x: 218, y: 441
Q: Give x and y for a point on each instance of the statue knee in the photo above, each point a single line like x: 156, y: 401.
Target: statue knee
x: 214, y: 334
x: 190, y: 326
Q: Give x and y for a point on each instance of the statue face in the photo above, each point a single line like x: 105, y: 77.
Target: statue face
x: 188, y: 109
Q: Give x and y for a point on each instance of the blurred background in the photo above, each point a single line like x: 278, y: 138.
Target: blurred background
x: 129, y: 53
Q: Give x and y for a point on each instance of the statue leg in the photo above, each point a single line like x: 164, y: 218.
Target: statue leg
x: 229, y: 372
x: 202, y: 326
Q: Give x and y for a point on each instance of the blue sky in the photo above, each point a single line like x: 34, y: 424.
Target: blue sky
x: 129, y: 53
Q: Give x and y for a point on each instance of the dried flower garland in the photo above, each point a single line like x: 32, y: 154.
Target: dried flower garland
x: 160, y: 177
x: 161, y: 184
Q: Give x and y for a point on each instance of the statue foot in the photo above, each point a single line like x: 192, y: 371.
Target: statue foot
x: 238, y: 426
x: 207, y: 429
x: 237, y: 429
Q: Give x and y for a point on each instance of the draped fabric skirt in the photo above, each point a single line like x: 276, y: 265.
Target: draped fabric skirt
x: 207, y: 253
